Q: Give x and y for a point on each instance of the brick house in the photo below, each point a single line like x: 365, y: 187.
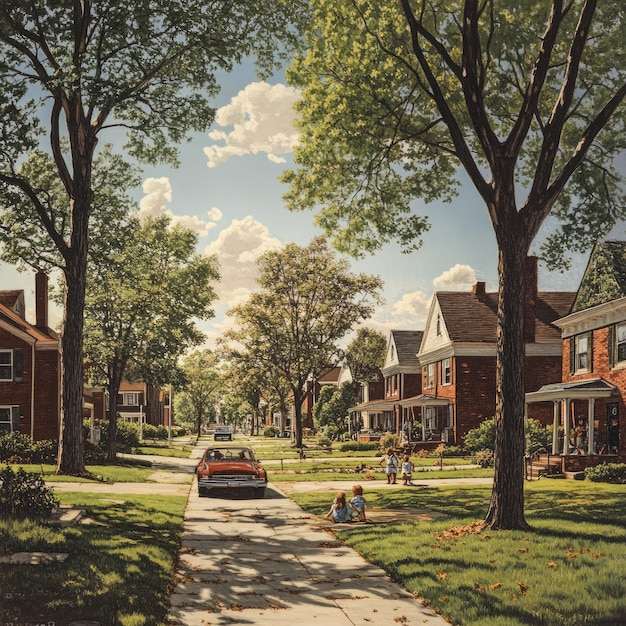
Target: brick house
x: 30, y: 366
x: 402, y: 380
x: 458, y: 355
x: 589, y: 410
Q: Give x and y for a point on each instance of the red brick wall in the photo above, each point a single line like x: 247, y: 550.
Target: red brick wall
x: 18, y: 393
x: 412, y: 385
x: 47, y: 394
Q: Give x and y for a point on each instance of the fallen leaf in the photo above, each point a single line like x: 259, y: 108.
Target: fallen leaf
x: 522, y: 587
x: 479, y: 587
x: 441, y: 575
x: 495, y: 586
x: 552, y: 564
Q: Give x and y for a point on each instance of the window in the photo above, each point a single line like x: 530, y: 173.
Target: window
x: 620, y: 342
x: 430, y: 379
x: 580, y: 353
x: 130, y: 398
x: 6, y: 364
x: 9, y: 419
x: 446, y: 372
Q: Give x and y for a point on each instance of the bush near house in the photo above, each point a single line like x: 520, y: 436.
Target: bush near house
x: 19, y: 448
x: 607, y: 473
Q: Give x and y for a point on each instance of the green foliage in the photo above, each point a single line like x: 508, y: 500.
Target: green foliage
x: 482, y: 437
x: 332, y: 406
x: 19, y: 448
x: 325, y: 442
x: 388, y: 440
x: 25, y: 495
x: 308, y: 300
x: 607, y: 473
x: 358, y: 446
x: 365, y: 355
x: 270, y: 431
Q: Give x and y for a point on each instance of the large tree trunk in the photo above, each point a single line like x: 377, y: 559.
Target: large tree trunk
x: 506, y: 510
x: 71, y: 440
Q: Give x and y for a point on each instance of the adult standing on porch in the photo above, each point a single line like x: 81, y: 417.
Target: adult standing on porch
x: 390, y: 461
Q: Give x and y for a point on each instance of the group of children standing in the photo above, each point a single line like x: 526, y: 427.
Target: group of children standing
x: 342, y: 510
x: 391, y: 462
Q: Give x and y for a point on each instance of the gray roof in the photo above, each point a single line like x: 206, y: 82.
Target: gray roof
x: 407, y: 344
x: 470, y: 318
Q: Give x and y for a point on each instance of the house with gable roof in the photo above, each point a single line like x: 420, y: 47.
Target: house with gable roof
x: 458, y: 355
x: 588, y: 398
x: 30, y: 366
x: 402, y: 379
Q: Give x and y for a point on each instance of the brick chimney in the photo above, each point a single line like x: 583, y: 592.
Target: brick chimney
x: 41, y: 300
x: 530, y: 298
x: 479, y: 290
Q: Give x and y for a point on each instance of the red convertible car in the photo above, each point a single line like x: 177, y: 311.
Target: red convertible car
x: 230, y: 467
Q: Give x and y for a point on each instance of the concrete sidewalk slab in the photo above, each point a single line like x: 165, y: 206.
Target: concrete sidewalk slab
x: 265, y: 561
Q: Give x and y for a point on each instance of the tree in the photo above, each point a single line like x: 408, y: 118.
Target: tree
x: 197, y: 402
x: 331, y: 409
x: 365, y: 355
x: 150, y: 262
x: 144, y: 68
x: 308, y: 300
x: 526, y: 99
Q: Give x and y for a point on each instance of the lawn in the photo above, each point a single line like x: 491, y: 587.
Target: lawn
x: 566, y: 571
x: 119, y: 570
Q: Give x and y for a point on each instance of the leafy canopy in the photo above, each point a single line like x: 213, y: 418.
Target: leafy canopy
x: 397, y: 96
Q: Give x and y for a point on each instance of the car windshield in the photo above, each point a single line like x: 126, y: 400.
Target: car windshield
x: 228, y: 454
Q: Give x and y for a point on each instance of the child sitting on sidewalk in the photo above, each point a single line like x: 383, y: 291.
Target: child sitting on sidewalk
x: 358, y: 502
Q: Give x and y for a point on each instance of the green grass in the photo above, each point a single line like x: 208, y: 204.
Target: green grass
x: 165, y: 450
x: 325, y: 472
x: 118, y: 572
x: 566, y: 571
x: 123, y: 471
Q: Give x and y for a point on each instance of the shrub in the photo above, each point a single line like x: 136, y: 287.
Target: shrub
x: 18, y: 448
x: 607, y: 473
x: 270, y: 431
x: 358, y: 446
x: 482, y: 438
x: 324, y: 442
x: 445, y: 450
x: 23, y: 494
x: 484, y: 458
x: 388, y: 441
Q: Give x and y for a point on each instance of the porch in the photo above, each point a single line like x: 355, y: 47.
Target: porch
x: 555, y: 465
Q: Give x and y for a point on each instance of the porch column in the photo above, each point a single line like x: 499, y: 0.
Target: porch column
x: 591, y: 444
x: 526, y: 433
x: 555, y: 426
x: 423, y: 423
x: 567, y: 417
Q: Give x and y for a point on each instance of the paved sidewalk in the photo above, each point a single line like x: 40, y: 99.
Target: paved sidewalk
x: 267, y: 562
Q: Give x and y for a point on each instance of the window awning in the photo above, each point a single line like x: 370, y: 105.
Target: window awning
x: 373, y: 406
x: 576, y: 390
x: 424, y: 400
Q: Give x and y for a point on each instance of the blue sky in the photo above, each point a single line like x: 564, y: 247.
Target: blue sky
x: 235, y: 206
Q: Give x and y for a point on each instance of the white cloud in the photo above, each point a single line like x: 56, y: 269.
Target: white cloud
x: 412, y: 305
x: 237, y: 248
x: 262, y: 118
x: 459, y: 276
x: 158, y: 193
